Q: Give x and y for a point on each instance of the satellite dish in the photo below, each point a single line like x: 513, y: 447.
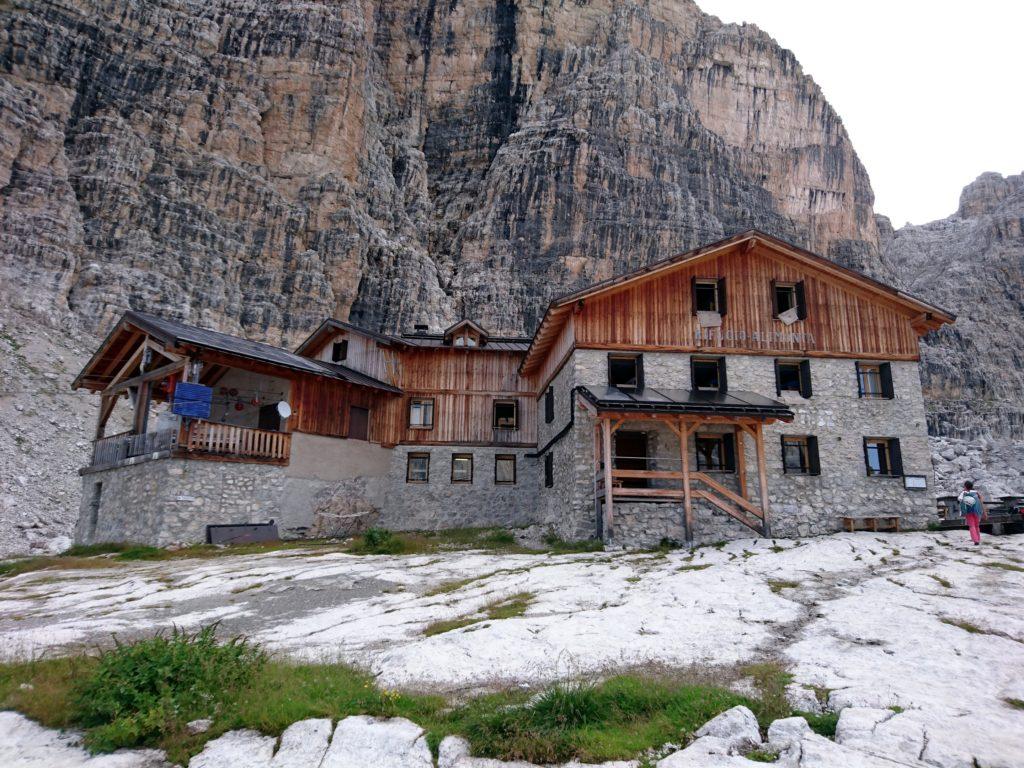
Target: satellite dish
x: 284, y: 410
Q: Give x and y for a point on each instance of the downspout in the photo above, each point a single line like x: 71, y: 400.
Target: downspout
x: 563, y: 431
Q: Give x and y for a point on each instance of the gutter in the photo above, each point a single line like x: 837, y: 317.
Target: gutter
x: 562, y: 432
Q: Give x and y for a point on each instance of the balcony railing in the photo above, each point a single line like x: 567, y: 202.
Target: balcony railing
x: 199, y: 438
x: 206, y: 437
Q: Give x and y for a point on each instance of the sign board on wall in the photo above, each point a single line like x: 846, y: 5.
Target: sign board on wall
x: 192, y: 400
x: 716, y: 337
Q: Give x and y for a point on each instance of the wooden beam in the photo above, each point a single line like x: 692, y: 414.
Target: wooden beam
x: 741, y: 462
x: 141, y: 417
x: 651, y: 473
x: 107, y: 403
x: 125, y: 369
x: 663, y: 493
x: 751, y: 522
x: 597, y: 458
x: 734, y: 497
x: 154, y: 375
x: 607, y: 519
x: 762, y: 476
x: 684, y: 457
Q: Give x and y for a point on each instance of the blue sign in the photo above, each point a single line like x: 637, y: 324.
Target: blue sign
x: 192, y: 400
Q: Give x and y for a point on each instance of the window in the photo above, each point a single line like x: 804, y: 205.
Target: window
x: 505, y: 469
x: 465, y: 340
x: 874, y: 380
x: 787, y: 296
x: 417, y: 470
x: 339, y: 351
x: 421, y: 413
x: 506, y: 414
x: 800, y: 455
x: 462, y: 467
x: 626, y: 371
x: 716, y: 452
x: 549, y: 470
x: 708, y: 374
x: 708, y: 295
x: 793, y: 376
x: 882, y: 457
x: 549, y: 405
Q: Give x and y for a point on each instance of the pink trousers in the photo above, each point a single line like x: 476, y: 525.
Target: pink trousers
x: 974, y: 524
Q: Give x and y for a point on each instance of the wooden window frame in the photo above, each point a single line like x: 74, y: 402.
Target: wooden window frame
x: 515, y: 414
x: 885, y: 388
x: 549, y: 405
x: 811, y: 460
x: 339, y: 351
x: 893, y: 456
x: 498, y: 458
x: 638, y: 363
x: 462, y: 456
x: 433, y: 410
x: 727, y: 451
x: 799, y: 297
x: 408, y: 467
x: 803, y: 377
x: 719, y: 363
x: 549, y: 470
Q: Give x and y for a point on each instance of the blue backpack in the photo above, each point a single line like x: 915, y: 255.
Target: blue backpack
x: 970, y: 503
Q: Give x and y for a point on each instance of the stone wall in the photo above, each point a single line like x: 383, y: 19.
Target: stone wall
x: 171, y: 501
x: 440, y: 503
x: 801, y: 505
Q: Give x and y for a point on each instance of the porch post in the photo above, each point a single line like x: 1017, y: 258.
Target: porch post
x: 684, y: 444
x: 606, y: 432
x: 142, y: 408
x: 741, y: 462
x: 594, y: 472
x: 762, y: 476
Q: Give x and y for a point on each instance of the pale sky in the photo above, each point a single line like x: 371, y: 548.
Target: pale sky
x: 929, y: 92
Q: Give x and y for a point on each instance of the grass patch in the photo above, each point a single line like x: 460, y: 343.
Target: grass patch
x: 941, y: 581
x: 507, y: 608
x: 449, y: 625
x: 823, y: 724
x: 557, y: 545
x: 449, y: 586
x: 1004, y: 566
x: 966, y: 626
x: 143, y: 694
x: 770, y: 679
x: 380, y: 541
x: 698, y: 567
x: 762, y: 756
x: 1015, y: 703
x: 777, y: 585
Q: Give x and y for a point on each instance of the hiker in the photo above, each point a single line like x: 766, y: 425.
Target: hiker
x: 973, y: 510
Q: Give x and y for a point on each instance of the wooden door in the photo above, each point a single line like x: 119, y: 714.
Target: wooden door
x: 358, y: 423
x: 631, y: 453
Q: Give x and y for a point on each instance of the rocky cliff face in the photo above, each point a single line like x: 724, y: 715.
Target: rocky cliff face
x: 257, y: 166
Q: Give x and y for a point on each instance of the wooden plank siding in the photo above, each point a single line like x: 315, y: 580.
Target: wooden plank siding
x: 365, y: 355
x: 657, y: 313
x: 321, y: 407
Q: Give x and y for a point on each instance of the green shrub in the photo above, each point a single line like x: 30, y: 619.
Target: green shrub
x: 90, y: 550
x: 141, y: 552
x: 380, y: 541
x: 142, y: 691
x: 823, y: 724
x: 500, y: 538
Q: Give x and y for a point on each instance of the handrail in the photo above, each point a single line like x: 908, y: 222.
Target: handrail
x: 208, y: 437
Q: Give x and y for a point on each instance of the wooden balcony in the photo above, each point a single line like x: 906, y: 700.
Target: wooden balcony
x: 196, y: 439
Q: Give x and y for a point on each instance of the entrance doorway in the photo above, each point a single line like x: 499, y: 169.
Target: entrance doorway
x: 630, y: 452
x: 358, y: 423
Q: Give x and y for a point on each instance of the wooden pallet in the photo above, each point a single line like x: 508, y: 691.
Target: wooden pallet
x: 871, y: 522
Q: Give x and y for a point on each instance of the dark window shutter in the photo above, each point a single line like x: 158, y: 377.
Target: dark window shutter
x: 729, y: 452
x: 895, y: 458
x: 549, y: 470
x: 639, y: 371
x: 805, y: 378
x: 775, y: 301
x: 867, y: 464
x: 693, y: 295
x: 801, y: 301
x: 782, y: 439
x: 549, y: 405
x: 693, y: 375
x: 885, y: 369
x: 778, y: 382
x: 860, y: 385
x: 813, y: 462
x: 721, y: 296
x: 723, y: 383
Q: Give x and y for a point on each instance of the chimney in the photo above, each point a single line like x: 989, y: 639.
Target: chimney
x: 420, y: 329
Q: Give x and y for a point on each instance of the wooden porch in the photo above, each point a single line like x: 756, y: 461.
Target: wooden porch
x: 612, y: 484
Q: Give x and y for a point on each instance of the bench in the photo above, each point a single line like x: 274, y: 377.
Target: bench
x: 871, y: 522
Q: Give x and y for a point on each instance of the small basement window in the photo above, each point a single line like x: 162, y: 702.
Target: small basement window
x: 462, y: 467
x: 793, y: 376
x: 626, y: 371
x: 708, y: 375
x: 506, y: 414
x: 715, y: 452
x: 339, y: 351
x: 417, y: 468
x: 882, y: 457
x: 421, y: 413
x: 800, y: 455
x: 874, y: 380
x: 505, y: 469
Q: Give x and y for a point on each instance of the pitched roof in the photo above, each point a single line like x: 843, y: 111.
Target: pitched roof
x: 560, y: 306
x: 414, y: 340
x: 651, y: 400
